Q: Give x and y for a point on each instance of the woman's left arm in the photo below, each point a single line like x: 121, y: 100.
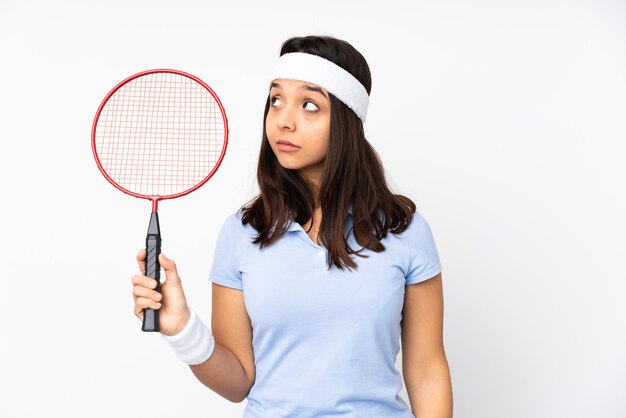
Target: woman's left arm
x: 424, y: 364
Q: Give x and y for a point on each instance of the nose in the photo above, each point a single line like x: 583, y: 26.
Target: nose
x: 285, y: 118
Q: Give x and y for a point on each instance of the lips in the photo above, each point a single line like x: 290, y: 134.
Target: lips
x: 282, y: 141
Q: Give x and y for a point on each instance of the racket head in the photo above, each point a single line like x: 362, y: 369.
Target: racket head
x: 159, y: 134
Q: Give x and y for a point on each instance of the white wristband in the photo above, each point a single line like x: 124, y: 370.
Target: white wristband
x: 194, y: 344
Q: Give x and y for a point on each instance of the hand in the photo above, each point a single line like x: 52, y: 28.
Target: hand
x: 171, y: 303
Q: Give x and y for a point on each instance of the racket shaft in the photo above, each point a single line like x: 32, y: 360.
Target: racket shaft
x: 153, y: 270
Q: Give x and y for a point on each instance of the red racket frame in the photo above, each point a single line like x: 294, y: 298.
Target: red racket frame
x: 155, y: 199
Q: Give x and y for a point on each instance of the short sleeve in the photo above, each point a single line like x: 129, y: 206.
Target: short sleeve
x: 424, y: 260
x: 224, y: 270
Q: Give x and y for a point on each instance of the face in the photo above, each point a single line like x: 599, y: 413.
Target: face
x: 299, y: 113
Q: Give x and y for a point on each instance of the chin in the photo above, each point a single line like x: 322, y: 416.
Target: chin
x: 289, y: 166
x: 288, y: 162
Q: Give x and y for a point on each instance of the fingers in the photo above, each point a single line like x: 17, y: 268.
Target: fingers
x: 140, y: 291
x: 171, y: 273
x: 145, y: 281
x: 145, y: 291
x: 144, y: 295
x: 170, y: 270
x: 141, y: 303
x: 141, y: 257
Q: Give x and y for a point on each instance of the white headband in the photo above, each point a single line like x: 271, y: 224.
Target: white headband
x: 317, y: 70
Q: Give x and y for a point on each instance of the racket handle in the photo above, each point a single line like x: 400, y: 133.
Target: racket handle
x: 153, y: 270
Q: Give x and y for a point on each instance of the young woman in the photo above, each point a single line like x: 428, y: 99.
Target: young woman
x: 317, y: 278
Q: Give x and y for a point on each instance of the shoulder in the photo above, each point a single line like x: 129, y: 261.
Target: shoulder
x: 417, y: 225
x: 235, y: 228
x: 233, y: 220
x: 423, y: 261
x: 419, y: 231
x: 418, y: 222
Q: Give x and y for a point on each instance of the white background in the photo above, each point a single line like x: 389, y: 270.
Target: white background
x: 502, y: 120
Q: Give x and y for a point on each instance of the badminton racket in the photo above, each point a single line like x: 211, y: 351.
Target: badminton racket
x: 159, y: 134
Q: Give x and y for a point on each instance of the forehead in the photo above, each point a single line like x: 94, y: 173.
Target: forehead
x: 281, y: 83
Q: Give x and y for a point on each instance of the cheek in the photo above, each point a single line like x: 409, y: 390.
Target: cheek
x: 319, y: 147
x: 321, y: 135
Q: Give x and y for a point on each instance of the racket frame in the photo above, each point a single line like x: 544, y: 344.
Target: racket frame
x: 155, y: 199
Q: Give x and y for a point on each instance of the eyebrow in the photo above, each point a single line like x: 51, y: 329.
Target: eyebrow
x: 302, y: 87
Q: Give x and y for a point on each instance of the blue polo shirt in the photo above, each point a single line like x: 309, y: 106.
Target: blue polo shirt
x: 325, y: 341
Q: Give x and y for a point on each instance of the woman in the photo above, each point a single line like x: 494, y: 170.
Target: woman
x: 300, y: 327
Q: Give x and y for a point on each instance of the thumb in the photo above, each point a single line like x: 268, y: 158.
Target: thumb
x: 170, y: 269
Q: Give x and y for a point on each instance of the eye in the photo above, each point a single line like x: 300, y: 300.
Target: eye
x: 315, y: 109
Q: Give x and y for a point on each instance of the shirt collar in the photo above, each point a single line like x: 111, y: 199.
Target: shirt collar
x: 295, y: 225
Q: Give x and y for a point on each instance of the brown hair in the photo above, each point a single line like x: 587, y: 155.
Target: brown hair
x: 353, y: 174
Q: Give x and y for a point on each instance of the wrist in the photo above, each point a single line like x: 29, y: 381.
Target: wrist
x: 186, y: 317
x: 194, y: 344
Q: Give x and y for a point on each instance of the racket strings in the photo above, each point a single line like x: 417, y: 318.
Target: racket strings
x: 160, y: 134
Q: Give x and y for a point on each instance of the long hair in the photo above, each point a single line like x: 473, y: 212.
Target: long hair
x: 353, y: 174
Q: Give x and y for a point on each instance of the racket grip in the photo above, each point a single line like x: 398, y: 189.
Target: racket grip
x: 153, y: 270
